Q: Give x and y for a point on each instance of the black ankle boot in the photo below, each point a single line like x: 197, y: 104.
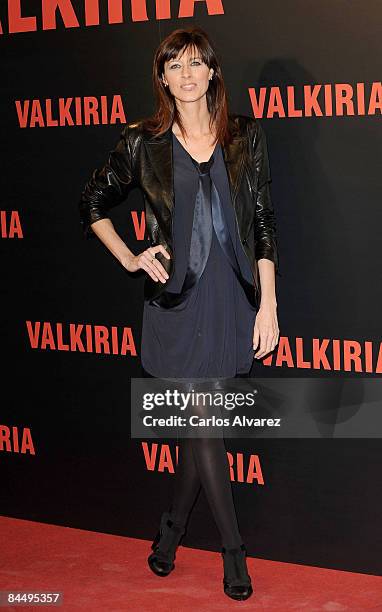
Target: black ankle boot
x: 237, y: 582
x: 161, y: 561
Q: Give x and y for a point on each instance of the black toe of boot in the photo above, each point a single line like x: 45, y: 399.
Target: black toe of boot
x: 161, y: 560
x: 236, y: 581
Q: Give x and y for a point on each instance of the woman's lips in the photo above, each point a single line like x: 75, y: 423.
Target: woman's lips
x: 188, y: 87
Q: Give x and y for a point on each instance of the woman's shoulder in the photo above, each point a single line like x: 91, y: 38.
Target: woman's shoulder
x: 134, y: 132
x: 244, y: 125
x: 134, y: 129
x: 143, y: 129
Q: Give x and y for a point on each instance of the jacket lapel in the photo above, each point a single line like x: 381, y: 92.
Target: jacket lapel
x: 159, y: 150
x: 233, y: 155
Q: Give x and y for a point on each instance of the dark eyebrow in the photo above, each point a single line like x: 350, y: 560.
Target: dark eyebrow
x: 191, y: 58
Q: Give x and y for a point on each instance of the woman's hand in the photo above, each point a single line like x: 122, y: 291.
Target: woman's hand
x: 147, y: 261
x: 266, y: 329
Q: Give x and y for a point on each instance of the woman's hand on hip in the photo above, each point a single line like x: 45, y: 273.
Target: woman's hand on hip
x: 266, y: 329
x: 147, y: 261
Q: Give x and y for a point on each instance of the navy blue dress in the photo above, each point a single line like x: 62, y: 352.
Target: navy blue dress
x: 210, y: 334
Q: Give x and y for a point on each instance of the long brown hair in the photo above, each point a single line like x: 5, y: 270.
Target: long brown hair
x: 167, y: 112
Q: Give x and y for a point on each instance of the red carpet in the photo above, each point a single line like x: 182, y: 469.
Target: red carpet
x: 109, y: 573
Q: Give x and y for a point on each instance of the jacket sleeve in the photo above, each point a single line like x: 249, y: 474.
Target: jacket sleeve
x: 265, y: 222
x: 108, y: 185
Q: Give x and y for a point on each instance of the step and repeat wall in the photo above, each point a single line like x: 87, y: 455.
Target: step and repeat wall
x: 73, y: 73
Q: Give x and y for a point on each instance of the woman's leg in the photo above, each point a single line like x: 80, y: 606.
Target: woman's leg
x: 203, y: 461
x: 187, y: 484
x: 211, y: 459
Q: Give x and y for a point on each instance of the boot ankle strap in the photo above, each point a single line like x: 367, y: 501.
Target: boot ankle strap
x: 174, y: 526
x: 233, y: 551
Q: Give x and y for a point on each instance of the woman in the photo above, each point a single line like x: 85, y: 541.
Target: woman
x: 210, y: 288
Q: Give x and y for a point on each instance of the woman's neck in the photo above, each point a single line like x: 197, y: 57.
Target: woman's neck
x: 195, y: 122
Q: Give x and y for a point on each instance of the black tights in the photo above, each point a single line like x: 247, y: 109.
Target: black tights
x: 203, y: 463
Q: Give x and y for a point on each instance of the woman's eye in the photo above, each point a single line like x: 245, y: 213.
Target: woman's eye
x: 194, y: 62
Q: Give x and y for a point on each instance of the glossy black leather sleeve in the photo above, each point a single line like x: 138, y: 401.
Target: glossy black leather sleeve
x: 108, y: 186
x: 265, y: 222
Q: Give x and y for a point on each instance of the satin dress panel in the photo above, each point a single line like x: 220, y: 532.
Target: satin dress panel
x: 209, y: 334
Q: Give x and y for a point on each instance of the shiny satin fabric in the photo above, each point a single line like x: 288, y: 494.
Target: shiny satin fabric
x: 224, y: 237
x: 201, y: 239
x: 208, y: 211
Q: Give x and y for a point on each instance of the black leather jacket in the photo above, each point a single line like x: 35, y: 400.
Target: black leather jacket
x: 142, y: 160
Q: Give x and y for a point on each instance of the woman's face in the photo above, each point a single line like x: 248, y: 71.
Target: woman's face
x: 186, y: 76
